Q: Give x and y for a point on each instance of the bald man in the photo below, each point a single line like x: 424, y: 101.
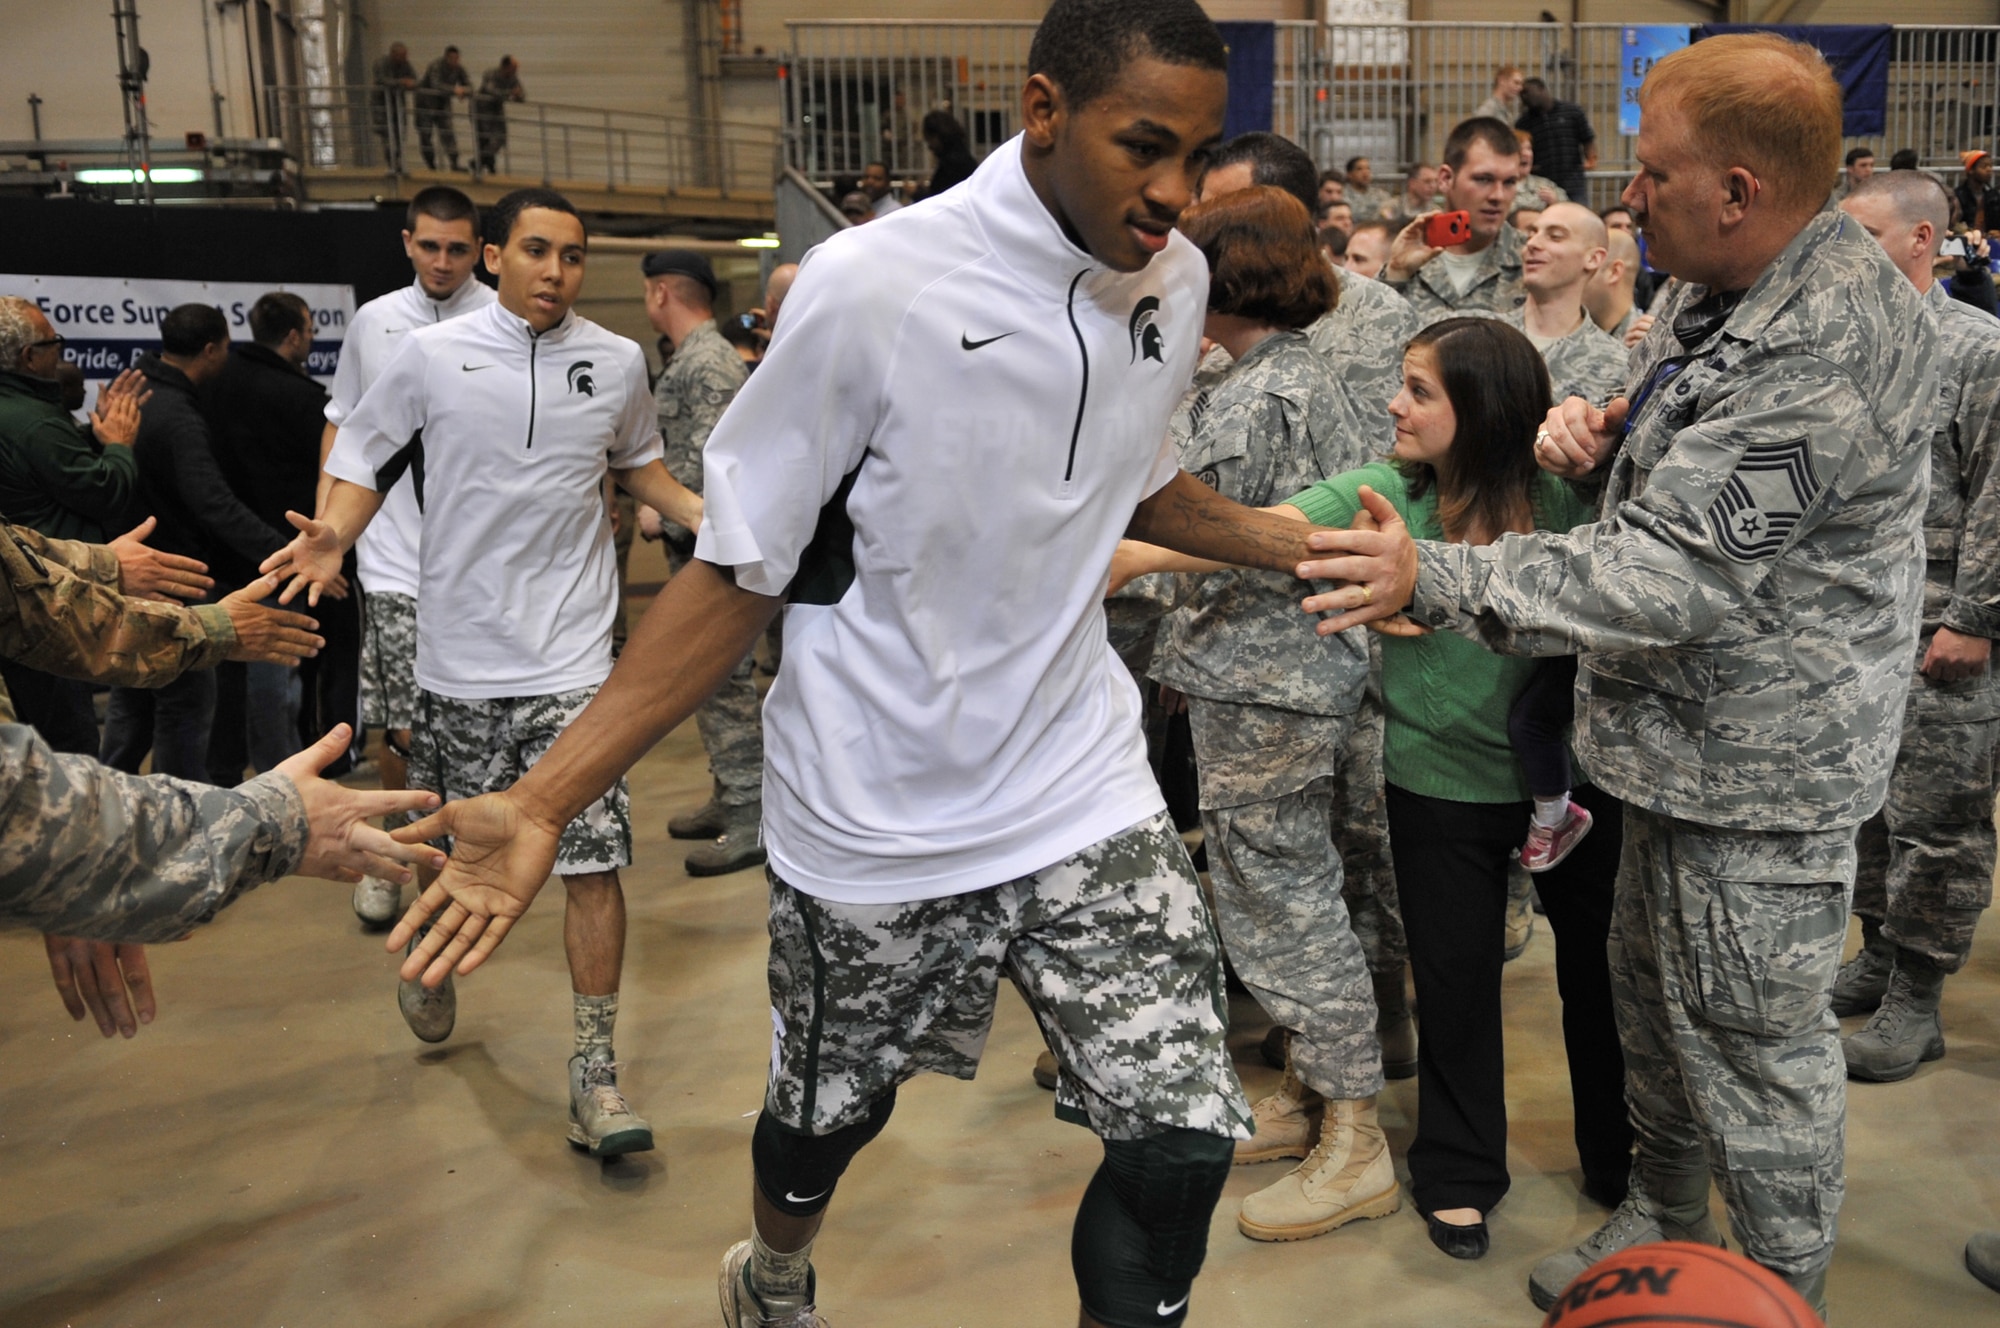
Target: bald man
x: 1744, y: 613
x: 1927, y: 859
x: 1610, y: 294
x: 775, y: 290
x: 1566, y: 249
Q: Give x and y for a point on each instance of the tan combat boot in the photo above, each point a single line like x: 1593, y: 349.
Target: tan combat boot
x: 1347, y: 1176
x: 1287, y: 1122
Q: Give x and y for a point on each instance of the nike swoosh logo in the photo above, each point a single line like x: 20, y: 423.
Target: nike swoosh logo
x: 1166, y: 1309
x: 474, y: 368
x: 796, y: 1198
x: 965, y: 340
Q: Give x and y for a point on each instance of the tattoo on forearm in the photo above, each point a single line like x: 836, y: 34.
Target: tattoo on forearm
x: 1190, y: 518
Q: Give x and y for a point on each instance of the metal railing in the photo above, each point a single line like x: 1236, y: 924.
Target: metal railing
x: 857, y: 91
x: 371, y: 128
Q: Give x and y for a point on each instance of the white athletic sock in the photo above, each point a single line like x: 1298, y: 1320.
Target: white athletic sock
x: 778, y: 1277
x: 1549, y: 812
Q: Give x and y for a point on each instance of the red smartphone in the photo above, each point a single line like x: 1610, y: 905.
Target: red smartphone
x: 1447, y: 229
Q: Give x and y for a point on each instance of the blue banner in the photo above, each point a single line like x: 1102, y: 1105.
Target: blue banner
x: 1859, y: 54
x: 1642, y: 46
x: 1253, y: 65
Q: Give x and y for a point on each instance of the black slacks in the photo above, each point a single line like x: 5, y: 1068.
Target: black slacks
x: 1451, y: 869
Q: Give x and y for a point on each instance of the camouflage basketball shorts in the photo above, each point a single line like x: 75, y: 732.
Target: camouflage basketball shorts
x: 462, y: 748
x: 1113, y: 949
x: 388, y: 660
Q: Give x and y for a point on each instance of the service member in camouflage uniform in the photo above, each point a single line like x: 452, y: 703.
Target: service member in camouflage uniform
x: 1610, y: 295
x: 394, y: 76
x: 1271, y: 708
x: 445, y: 79
x: 1362, y: 339
x: 697, y: 385
x: 1927, y: 859
x: 89, y: 851
x: 1745, y: 614
x: 1481, y: 176
x: 498, y: 86
x: 1566, y: 248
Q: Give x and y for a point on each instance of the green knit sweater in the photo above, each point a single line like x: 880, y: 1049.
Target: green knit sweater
x: 1446, y: 697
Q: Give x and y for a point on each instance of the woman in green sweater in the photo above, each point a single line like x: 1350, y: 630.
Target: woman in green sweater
x: 1463, y: 469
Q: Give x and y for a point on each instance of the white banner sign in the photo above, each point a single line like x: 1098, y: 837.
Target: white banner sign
x: 109, y: 322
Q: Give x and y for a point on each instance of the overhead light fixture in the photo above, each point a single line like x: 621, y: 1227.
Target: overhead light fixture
x: 759, y: 242
x: 120, y: 175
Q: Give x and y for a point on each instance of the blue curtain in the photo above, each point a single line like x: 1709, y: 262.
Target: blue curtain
x: 1253, y: 63
x: 1859, y: 54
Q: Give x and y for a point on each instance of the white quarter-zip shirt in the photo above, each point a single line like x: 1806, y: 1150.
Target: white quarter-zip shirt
x: 386, y: 554
x: 517, y: 583
x: 954, y: 424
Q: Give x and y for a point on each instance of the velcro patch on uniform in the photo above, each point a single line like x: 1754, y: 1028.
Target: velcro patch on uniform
x: 1764, y: 500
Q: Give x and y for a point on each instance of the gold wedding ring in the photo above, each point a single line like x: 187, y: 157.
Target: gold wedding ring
x: 1367, y: 594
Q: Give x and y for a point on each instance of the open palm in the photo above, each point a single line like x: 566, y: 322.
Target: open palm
x: 501, y: 858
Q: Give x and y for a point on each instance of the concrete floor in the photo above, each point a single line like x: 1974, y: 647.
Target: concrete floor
x: 276, y: 1149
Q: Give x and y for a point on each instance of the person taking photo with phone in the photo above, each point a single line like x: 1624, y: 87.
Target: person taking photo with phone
x: 1481, y: 271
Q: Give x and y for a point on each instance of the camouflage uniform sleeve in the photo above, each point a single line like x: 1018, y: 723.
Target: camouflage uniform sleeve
x: 54, y: 620
x: 1974, y: 606
x: 88, y: 851
x: 1669, y: 565
x: 95, y: 561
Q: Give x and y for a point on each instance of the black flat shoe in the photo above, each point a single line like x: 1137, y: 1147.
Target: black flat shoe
x: 1459, y: 1242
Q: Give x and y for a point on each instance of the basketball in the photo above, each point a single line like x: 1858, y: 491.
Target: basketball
x: 1671, y: 1283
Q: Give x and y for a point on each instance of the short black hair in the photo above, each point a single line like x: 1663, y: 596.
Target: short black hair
x: 1617, y: 207
x: 501, y: 217
x: 441, y: 202
x: 941, y: 125
x: 1905, y: 159
x: 1363, y: 157
x: 1497, y: 135
x: 190, y: 329
x: 1535, y: 83
x: 1273, y: 160
x: 1856, y: 154
x: 1083, y: 45
x: 276, y: 315
x: 451, y: 50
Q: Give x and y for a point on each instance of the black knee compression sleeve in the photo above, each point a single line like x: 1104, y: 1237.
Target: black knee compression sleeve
x: 1142, y: 1230
x: 797, y: 1172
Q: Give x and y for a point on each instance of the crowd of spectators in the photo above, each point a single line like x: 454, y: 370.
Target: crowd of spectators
x: 196, y: 453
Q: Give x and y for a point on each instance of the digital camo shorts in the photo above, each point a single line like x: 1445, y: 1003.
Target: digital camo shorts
x: 462, y: 748
x: 1113, y: 949
x: 388, y: 660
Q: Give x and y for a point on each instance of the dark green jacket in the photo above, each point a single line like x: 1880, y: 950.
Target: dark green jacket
x: 54, y: 478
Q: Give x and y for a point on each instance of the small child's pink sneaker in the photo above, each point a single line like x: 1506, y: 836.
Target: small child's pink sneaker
x: 1548, y: 846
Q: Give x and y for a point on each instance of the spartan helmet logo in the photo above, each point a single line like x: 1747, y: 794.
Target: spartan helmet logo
x: 580, y: 379
x: 1146, y: 338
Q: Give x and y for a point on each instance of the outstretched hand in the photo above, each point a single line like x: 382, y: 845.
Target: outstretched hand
x: 342, y: 843
x: 265, y: 635
x: 1379, y: 567
x: 93, y: 977
x: 312, y: 559
x: 145, y: 573
x: 501, y: 858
